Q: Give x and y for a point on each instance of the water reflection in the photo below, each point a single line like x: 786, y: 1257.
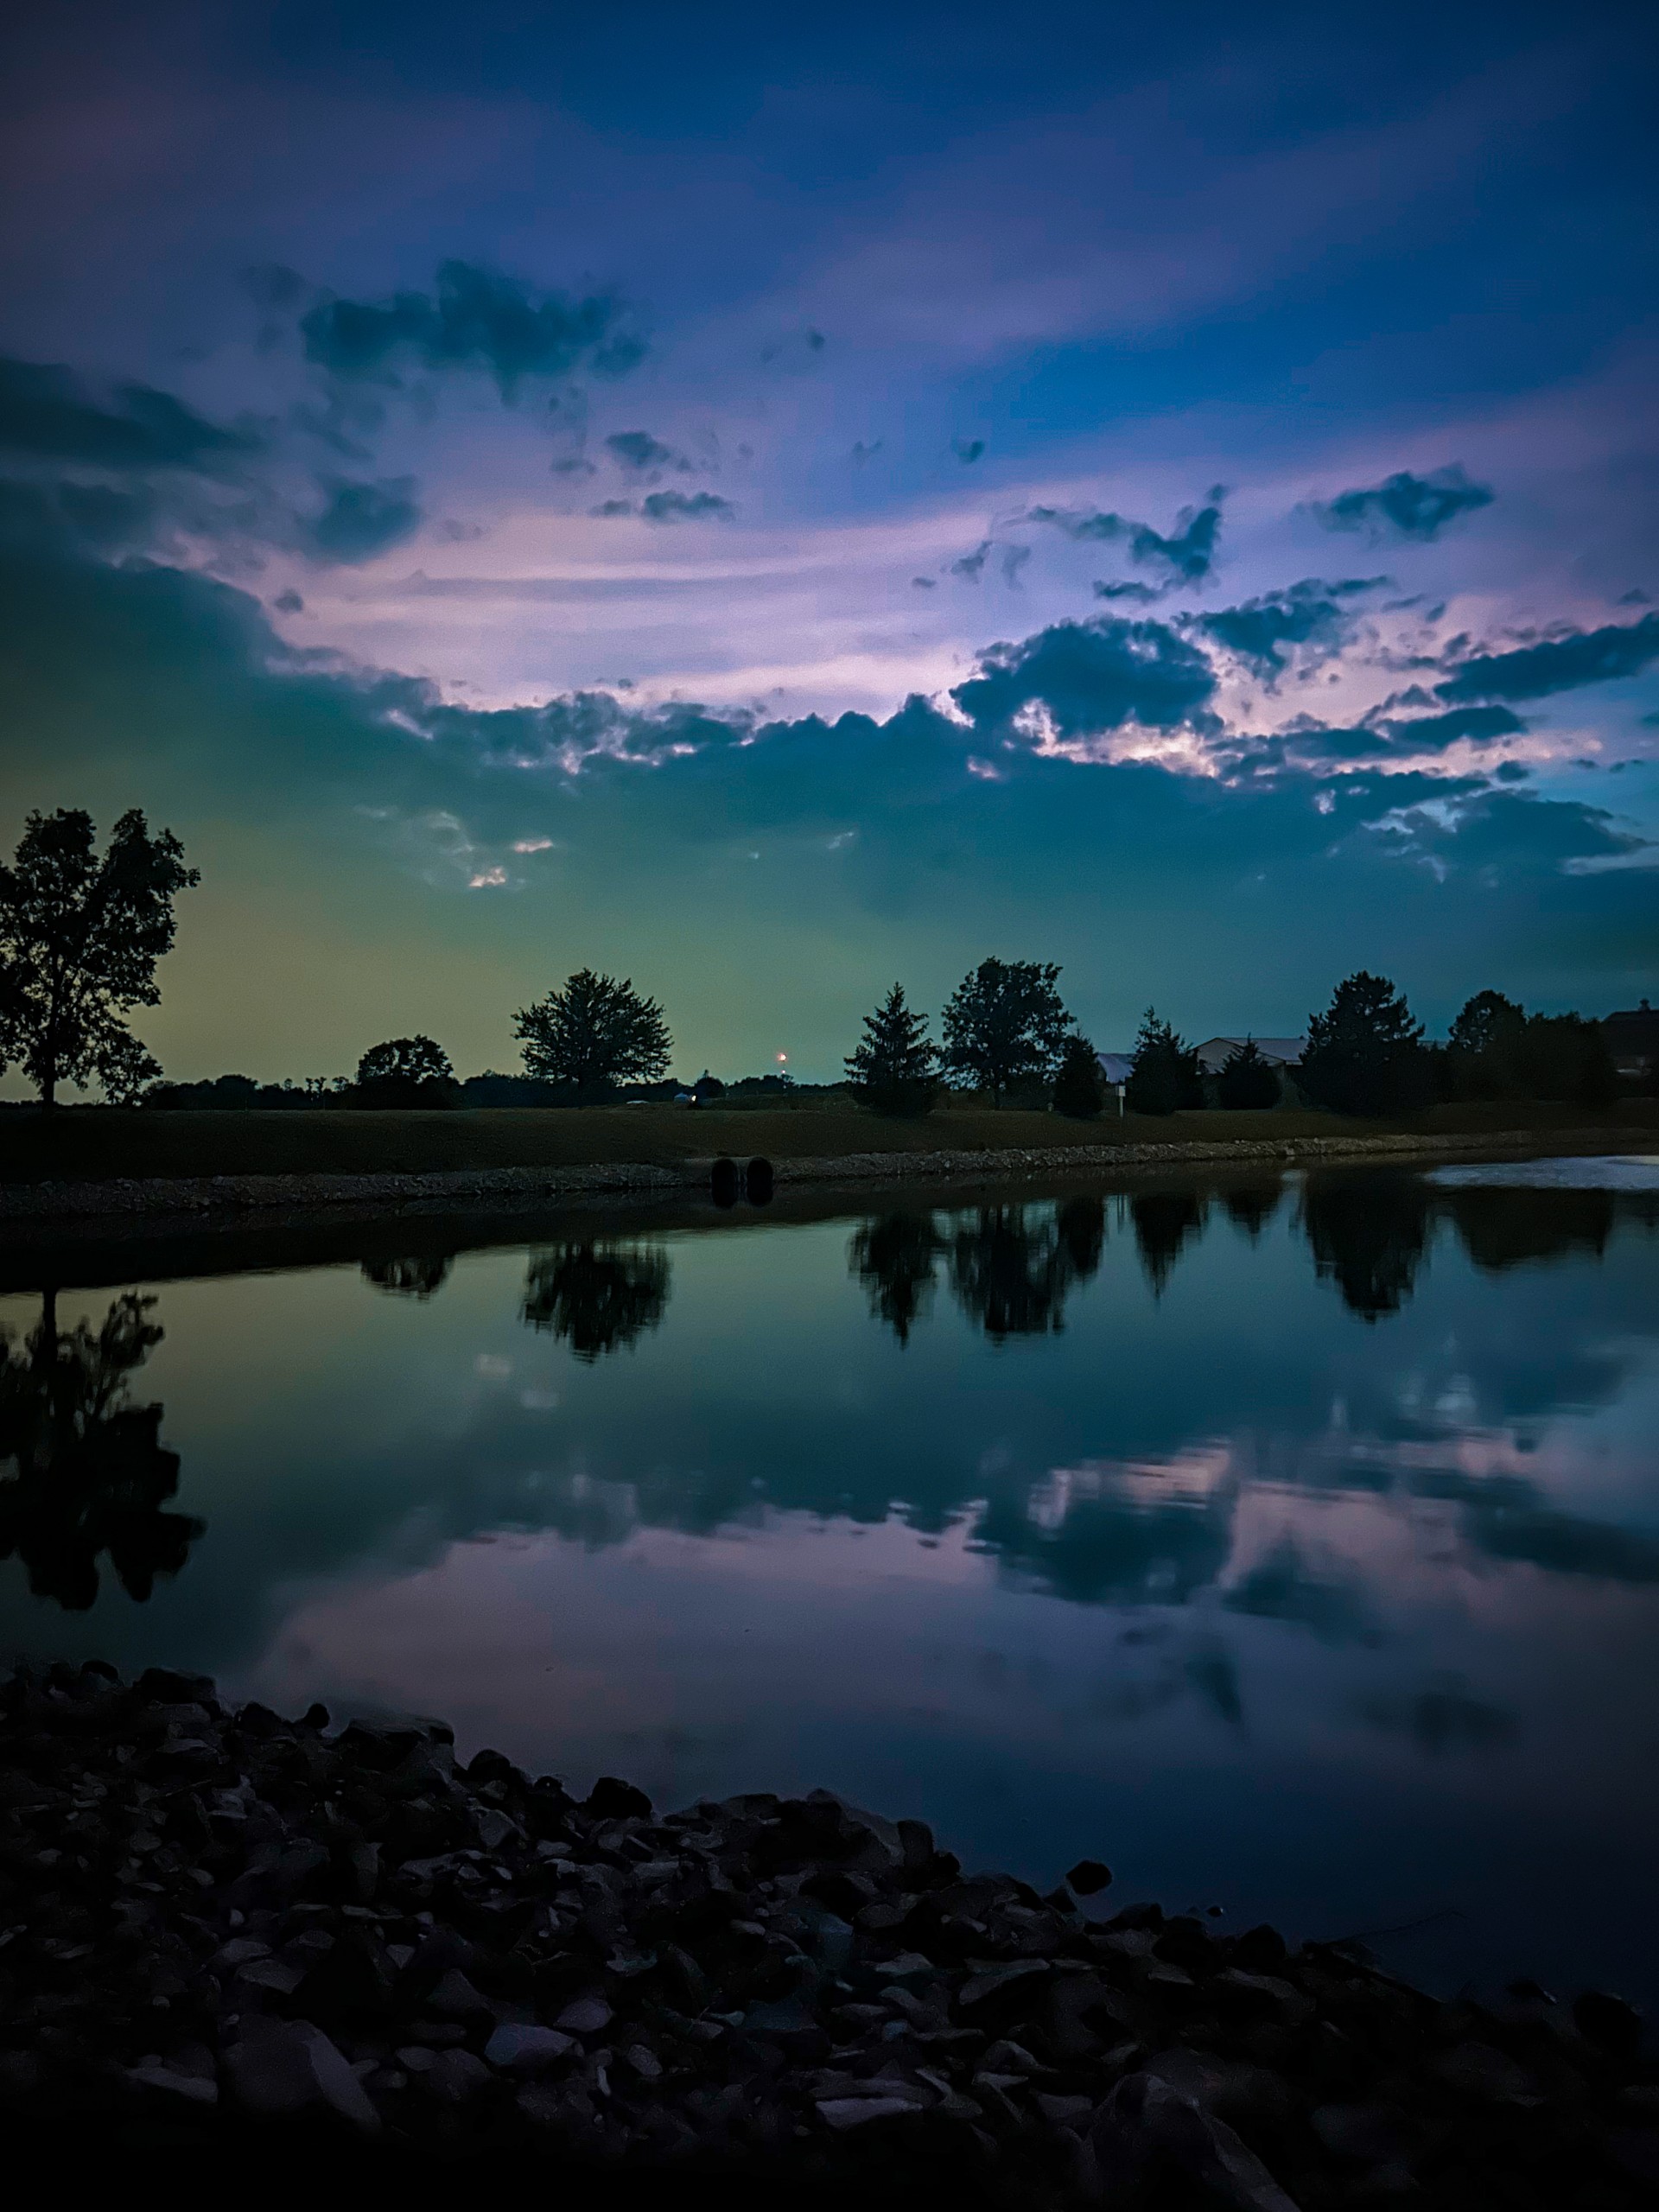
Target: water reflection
x: 1164, y: 1222
x: 1368, y: 1234
x: 1012, y: 1268
x: 597, y: 1297
x: 421, y: 1275
x: 91, y: 1473
x: 895, y: 1258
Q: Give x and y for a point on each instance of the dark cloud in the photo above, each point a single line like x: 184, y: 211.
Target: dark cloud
x: 684, y: 506
x: 638, y: 450
x: 1264, y: 630
x: 972, y: 565
x: 1094, y: 676
x: 1185, y: 556
x: 968, y: 449
x: 1136, y: 595
x: 476, y: 319
x: 861, y: 453
x: 1015, y: 558
x: 607, y: 508
x: 924, y: 583
x: 1553, y: 664
x: 1404, y: 506
x: 1498, y: 830
x: 361, y: 520
x: 47, y: 415
x: 1480, y: 725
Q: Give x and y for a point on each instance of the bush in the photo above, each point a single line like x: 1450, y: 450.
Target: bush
x: 1246, y: 1081
x: 1079, y: 1088
x: 1165, y: 1077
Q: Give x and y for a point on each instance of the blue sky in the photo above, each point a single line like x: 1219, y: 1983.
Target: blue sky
x: 766, y: 507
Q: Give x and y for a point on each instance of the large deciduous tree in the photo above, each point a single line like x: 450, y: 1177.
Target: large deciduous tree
x: 895, y: 1068
x: 1005, y: 1024
x: 594, y: 1034
x: 80, y: 939
x: 1364, y: 1053
x: 405, y: 1072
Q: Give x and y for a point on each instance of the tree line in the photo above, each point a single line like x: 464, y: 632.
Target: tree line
x: 81, y: 935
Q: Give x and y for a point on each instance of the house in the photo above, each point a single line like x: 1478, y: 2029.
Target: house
x: 1114, y: 1067
x: 1277, y: 1052
x: 1633, y: 1040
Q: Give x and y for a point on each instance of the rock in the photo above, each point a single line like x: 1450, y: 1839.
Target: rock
x: 1145, y: 2128
x: 1234, y: 2090
x: 843, y: 2112
x: 1608, y: 2021
x: 587, y: 2015
x: 195, y: 2088
x: 1089, y: 1876
x: 979, y: 1986
x: 526, y: 2049
x: 610, y: 1800
x: 1475, y: 2070
x: 282, y: 2067
x: 1366, y: 2135
x: 451, y: 1996
x: 454, y: 2077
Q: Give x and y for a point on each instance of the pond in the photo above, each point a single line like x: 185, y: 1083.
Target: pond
x: 1294, y: 1546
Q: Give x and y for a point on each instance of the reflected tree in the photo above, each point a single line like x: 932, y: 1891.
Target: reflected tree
x: 1368, y: 1234
x: 1164, y: 1221
x: 1503, y: 1229
x: 1253, y: 1206
x: 597, y: 1297
x: 89, y: 1475
x: 1012, y: 1268
x: 419, y: 1275
x: 895, y: 1259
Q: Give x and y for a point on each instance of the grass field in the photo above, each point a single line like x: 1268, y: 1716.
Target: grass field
x: 88, y: 1143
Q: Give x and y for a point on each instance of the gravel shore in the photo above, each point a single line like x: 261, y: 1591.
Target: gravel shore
x: 212, y: 1915
x: 122, y: 1196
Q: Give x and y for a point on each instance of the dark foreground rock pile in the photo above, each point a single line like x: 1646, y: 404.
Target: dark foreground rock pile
x: 212, y: 1917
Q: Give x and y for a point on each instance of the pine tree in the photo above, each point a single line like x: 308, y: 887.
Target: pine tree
x: 1364, y: 1052
x: 1248, y: 1081
x: 895, y: 1068
x: 1079, y: 1091
x: 1165, y: 1077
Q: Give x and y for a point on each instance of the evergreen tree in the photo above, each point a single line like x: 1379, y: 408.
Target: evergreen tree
x: 1246, y: 1081
x: 1365, y: 1054
x: 594, y: 1034
x: 80, y: 939
x: 1482, y: 1047
x: 1005, y: 1024
x: 1079, y: 1088
x: 1165, y: 1077
x: 895, y: 1068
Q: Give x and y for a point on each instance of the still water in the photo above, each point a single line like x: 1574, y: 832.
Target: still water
x: 1294, y: 1546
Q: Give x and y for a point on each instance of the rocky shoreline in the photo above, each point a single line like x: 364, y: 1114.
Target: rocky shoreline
x: 126, y: 1197
x: 213, y: 1917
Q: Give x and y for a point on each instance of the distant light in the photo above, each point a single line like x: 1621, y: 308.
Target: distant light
x: 781, y: 1057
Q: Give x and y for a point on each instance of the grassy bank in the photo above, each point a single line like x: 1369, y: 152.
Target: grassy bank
x: 90, y: 1143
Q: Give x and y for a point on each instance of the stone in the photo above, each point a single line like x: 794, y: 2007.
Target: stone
x: 1089, y: 1876
x: 526, y: 2049
x: 843, y: 2112
x: 282, y: 2067
x: 195, y: 2088
x: 454, y: 2077
x: 1365, y: 2135
x: 1476, y: 2071
x: 1145, y: 2127
x: 451, y: 1996
x: 979, y: 1986
x: 1608, y: 2021
x: 612, y: 1800
x: 587, y: 2015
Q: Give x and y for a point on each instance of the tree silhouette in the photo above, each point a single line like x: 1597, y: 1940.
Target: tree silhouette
x: 1247, y: 1081
x: 894, y: 1069
x: 1165, y: 1077
x: 405, y: 1072
x: 1004, y: 1023
x: 1253, y: 1206
x: 594, y: 1034
x: 92, y: 1475
x: 1368, y: 1234
x: 894, y: 1258
x: 1163, y: 1222
x: 1012, y: 1268
x: 80, y: 939
x: 1364, y: 1052
x: 1079, y: 1087
x: 418, y: 1274
x: 597, y: 1297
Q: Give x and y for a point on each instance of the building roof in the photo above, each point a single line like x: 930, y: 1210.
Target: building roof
x: 1116, y: 1067
x: 1282, y: 1051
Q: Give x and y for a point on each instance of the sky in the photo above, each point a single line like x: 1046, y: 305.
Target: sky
x: 769, y: 506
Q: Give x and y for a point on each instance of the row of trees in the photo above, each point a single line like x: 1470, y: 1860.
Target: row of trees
x: 82, y: 933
